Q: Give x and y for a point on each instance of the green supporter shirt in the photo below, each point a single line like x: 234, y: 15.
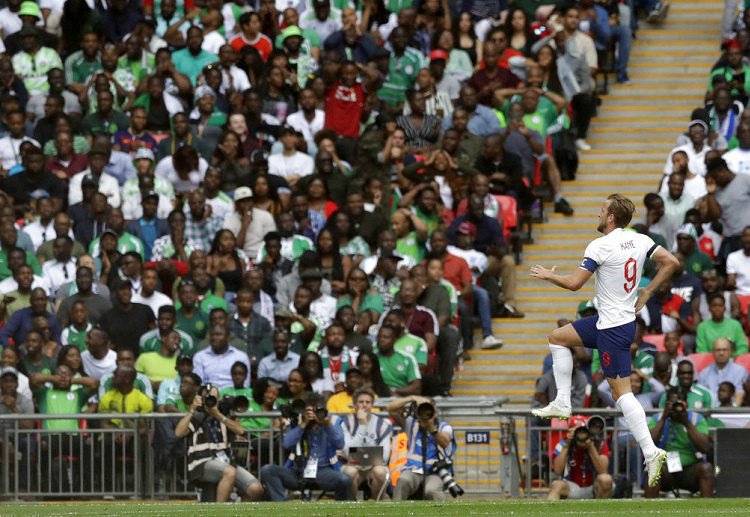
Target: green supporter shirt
x: 140, y: 68
x: 698, y: 262
x: 30, y: 260
x: 78, y: 70
x: 94, y: 123
x: 72, y: 336
x: 675, y: 437
x: 402, y: 73
x: 175, y: 400
x: 411, y: 246
x: 151, y: 342
x: 125, y: 243
x: 156, y: 366
x: 431, y: 220
x: 195, y: 326
x: 413, y: 345
x: 46, y: 366
x: 697, y: 398
x: 399, y: 369
x: 58, y: 402
x: 372, y: 302
x: 729, y: 328
x: 728, y: 73
x: 292, y: 248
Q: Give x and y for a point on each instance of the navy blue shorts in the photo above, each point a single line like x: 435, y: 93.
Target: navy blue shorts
x: 613, y: 344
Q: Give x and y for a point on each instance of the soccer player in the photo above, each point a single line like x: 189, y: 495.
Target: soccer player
x: 617, y: 258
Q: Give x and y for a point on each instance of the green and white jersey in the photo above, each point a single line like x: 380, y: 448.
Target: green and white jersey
x: 78, y: 70
x: 151, y: 342
x: 402, y: 73
x: 125, y: 243
x: 399, y: 369
x: 697, y: 398
x: 72, y: 336
x: 412, y: 345
x: 162, y: 186
x: 453, y: 294
x: 33, y: 69
x: 292, y: 248
x: 356, y: 246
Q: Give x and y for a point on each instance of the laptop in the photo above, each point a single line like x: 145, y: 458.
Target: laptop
x: 366, y: 456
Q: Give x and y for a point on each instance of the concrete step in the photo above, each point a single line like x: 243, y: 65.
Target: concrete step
x: 619, y: 97
x: 673, y: 56
x: 610, y: 143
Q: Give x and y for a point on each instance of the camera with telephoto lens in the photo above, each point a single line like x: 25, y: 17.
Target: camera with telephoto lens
x: 320, y: 413
x: 442, y: 469
x: 581, y: 434
x: 291, y: 411
x: 209, y: 400
x: 424, y: 411
x: 229, y: 405
x: 679, y: 405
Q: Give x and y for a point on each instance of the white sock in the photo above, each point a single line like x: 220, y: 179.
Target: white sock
x: 562, y: 367
x: 636, y: 419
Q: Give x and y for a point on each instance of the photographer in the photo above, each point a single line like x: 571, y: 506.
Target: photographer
x: 313, y: 442
x: 430, y: 443
x: 583, y: 459
x: 363, y: 429
x: 209, y: 447
x: 684, y: 435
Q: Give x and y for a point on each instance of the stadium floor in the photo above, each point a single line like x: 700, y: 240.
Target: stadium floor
x: 609, y: 508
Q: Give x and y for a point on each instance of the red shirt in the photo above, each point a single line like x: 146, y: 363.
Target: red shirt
x: 344, y: 107
x: 456, y: 271
x: 262, y: 44
x: 580, y: 469
x: 421, y: 322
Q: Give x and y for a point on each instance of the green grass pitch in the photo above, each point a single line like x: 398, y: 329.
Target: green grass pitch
x: 462, y: 508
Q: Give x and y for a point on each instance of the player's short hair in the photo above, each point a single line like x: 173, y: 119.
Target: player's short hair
x: 622, y: 208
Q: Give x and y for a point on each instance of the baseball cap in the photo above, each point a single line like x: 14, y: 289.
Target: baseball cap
x: 391, y: 255
x: 292, y: 30
x: 698, y: 122
x: 202, y: 90
x: 144, y: 153
x: 241, y: 193
x: 467, y: 228
x: 39, y: 194
x: 150, y: 193
x: 258, y: 157
x: 8, y: 370
x: 283, y: 312
x: 577, y: 421
x: 89, y: 180
x: 30, y: 9
x: 586, y: 305
x: 311, y: 274
x: 27, y: 31
x: 438, y: 54
x: 689, y: 230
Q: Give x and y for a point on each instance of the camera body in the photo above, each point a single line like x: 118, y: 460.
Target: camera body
x: 581, y: 434
x: 443, y: 469
x: 321, y: 412
x: 209, y: 400
x: 291, y: 411
x: 229, y: 405
x: 422, y: 412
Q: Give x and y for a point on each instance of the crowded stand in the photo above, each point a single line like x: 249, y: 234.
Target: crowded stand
x: 307, y: 206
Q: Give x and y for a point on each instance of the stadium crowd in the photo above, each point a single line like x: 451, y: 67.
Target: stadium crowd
x: 691, y: 345
x: 281, y: 199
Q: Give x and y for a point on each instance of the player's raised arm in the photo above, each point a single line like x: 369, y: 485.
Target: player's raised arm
x: 666, y: 263
x: 571, y: 282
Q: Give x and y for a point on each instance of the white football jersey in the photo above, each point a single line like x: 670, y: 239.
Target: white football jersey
x: 617, y: 260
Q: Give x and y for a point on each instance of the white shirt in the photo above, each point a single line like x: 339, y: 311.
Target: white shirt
x: 695, y: 187
x: 10, y: 22
x: 9, y: 284
x: 10, y: 153
x: 108, y: 186
x: 476, y: 259
x: 696, y: 161
x: 212, y: 42
x: 56, y: 6
x: 40, y: 233
x: 240, y: 81
x: 617, y: 259
x: 58, y: 273
x: 154, y: 301
x: 324, y: 309
x: 739, y: 264
x: 298, y: 164
x: 308, y: 129
x: 165, y: 169
x: 738, y: 160
x: 261, y: 224
x: 23, y: 386
x: 98, y: 368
